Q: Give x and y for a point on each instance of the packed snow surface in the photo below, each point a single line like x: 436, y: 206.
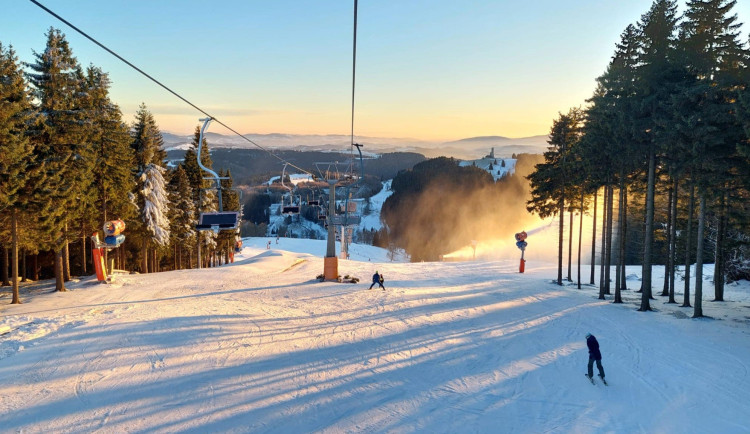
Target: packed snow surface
x: 262, y: 346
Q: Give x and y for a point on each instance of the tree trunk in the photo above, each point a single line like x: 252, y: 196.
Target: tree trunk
x: 665, y: 288
x: 719, y: 252
x: 570, y: 246
x: 602, y: 247
x: 144, y: 257
x: 580, y: 239
x: 620, y: 243
x: 66, y: 256
x: 14, y: 256
x: 624, y: 234
x: 560, y: 237
x: 673, y: 239
x: 59, y: 280
x: 592, y: 281
x: 698, y: 309
x: 604, y: 243
x: 608, y: 264
x: 198, y: 257
x: 4, y: 262
x: 24, y: 276
x: 83, y: 252
x: 688, y: 242
x: 648, y: 236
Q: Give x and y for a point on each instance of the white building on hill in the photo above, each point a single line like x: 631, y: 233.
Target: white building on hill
x: 497, y: 167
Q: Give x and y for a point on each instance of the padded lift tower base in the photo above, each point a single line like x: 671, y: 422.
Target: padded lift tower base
x: 331, y: 268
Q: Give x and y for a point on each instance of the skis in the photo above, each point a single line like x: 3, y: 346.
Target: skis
x: 591, y: 379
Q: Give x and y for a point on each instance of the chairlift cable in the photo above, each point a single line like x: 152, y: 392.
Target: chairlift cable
x: 164, y: 86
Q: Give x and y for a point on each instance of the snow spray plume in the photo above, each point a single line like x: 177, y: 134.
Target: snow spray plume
x: 446, y: 216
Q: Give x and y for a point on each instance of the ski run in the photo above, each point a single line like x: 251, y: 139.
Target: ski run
x: 262, y: 346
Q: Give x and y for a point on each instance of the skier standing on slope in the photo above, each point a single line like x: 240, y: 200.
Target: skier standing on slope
x: 377, y: 278
x: 594, y: 355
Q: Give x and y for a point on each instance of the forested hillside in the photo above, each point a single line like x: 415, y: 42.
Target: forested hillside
x: 254, y: 166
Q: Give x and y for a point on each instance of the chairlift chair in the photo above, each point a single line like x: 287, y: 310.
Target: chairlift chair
x: 218, y: 221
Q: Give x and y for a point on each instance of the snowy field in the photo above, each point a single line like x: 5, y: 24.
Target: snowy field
x: 262, y: 346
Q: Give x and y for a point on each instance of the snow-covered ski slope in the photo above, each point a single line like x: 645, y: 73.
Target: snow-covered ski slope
x: 262, y: 346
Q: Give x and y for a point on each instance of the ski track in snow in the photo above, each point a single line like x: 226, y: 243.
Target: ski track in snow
x: 262, y: 346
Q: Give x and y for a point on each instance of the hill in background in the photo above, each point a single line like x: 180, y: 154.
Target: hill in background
x: 465, y: 149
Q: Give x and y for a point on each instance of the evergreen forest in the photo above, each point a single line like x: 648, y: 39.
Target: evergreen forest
x: 69, y: 163
x: 663, y: 143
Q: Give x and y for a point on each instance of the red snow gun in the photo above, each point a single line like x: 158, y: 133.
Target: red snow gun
x: 521, y: 244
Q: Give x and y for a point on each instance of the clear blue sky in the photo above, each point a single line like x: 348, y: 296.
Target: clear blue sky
x: 433, y: 70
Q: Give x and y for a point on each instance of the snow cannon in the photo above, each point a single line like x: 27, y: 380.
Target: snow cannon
x: 114, y: 240
x: 113, y: 228
x: 521, y: 244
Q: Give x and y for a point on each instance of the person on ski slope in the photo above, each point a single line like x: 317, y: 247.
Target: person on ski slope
x: 377, y: 278
x: 594, y: 355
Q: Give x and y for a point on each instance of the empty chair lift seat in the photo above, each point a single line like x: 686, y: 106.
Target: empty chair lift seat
x: 218, y: 221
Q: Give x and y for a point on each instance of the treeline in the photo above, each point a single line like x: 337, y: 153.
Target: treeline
x: 68, y: 163
x: 438, y: 206
x: 666, y: 129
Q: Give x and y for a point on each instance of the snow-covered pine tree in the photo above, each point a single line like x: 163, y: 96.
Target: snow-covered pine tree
x: 16, y: 115
x: 151, y: 198
x: 155, y: 203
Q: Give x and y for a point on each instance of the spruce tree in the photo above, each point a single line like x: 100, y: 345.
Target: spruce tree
x: 151, y: 228
x: 204, y: 190
x: 230, y: 202
x: 710, y: 41
x: 59, y: 149
x: 16, y: 116
x: 655, y: 75
x: 114, y: 157
x: 549, y: 181
x: 182, y: 214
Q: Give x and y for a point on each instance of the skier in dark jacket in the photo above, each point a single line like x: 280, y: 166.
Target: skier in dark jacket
x: 377, y: 278
x: 594, y: 355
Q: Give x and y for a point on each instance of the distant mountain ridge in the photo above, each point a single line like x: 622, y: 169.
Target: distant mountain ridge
x: 467, y: 149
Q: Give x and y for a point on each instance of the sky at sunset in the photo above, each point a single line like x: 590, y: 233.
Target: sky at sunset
x: 429, y: 70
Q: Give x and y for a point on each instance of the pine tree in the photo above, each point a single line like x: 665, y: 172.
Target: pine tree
x: 230, y: 202
x: 16, y: 116
x: 549, y: 181
x: 204, y: 193
x: 182, y: 214
x: 656, y: 73
x: 59, y: 148
x: 710, y: 41
x: 152, y: 226
x: 114, y: 156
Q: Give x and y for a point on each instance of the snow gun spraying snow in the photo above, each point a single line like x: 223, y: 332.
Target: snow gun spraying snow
x: 521, y: 244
